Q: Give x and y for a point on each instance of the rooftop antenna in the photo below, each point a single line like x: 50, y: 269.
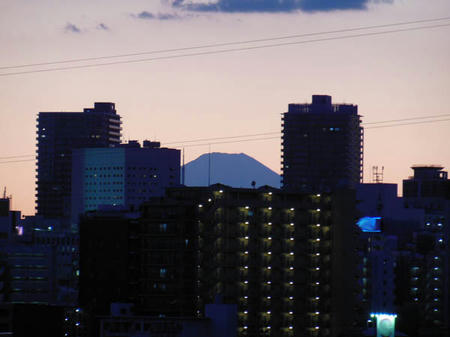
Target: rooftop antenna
x: 209, y: 166
x: 4, y: 193
x: 183, y: 173
x: 377, y: 176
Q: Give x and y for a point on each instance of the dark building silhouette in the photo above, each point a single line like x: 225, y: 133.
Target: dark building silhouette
x: 58, y: 133
x: 286, y: 259
x: 24, y: 320
x: 426, y: 262
x: 322, y: 146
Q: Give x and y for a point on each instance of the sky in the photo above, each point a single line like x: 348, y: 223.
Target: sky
x: 177, y: 98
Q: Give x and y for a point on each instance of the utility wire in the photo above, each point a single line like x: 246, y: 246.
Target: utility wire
x: 11, y: 157
x: 278, y: 132
x: 411, y: 123
x: 215, y: 45
x: 407, y: 119
x: 181, y: 143
x: 230, y: 141
x: 218, y: 138
x: 222, y: 51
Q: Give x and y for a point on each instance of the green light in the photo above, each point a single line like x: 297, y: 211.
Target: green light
x: 385, y: 324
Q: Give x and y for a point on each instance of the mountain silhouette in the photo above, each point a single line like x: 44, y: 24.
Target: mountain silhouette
x: 232, y: 169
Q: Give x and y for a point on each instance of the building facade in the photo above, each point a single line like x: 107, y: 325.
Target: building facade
x: 427, y: 259
x: 124, y: 176
x: 322, y: 146
x: 58, y: 133
x: 287, y: 260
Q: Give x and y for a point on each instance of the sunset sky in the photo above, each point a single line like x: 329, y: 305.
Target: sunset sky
x: 181, y: 97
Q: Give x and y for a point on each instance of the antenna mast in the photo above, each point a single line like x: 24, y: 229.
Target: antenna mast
x: 183, y: 175
x: 209, y: 166
x: 377, y: 176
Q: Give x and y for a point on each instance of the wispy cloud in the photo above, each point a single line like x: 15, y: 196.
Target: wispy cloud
x: 272, y: 6
x: 102, y: 26
x: 71, y: 28
x: 144, y: 15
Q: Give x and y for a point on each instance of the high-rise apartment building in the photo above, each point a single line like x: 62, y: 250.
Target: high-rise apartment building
x: 287, y: 260
x: 58, y: 133
x: 428, y: 276
x: 322, y: 146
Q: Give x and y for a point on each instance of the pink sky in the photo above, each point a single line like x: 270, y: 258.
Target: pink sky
x: 393, y: 76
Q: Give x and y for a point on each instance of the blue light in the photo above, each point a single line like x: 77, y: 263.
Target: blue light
x: 370, y: 224
x: 382, y: 314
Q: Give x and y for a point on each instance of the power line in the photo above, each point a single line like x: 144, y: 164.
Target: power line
x: 230, y: 141
x: 218, y: 138
x: 11, y: 157
x: 246, y: 140
x: 207, y: 140
x: 278, y: 132
x: 15, y: 161
x: 222, y: 51
x: 411, y: 123
x: 407, y: 119
x: 215, y: 45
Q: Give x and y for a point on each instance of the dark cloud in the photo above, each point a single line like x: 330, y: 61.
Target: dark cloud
x: 160, y: 16
x: 271, y: 6
x: 102, y: 26
x: 330, y: 5
x: 71, y: 28
x: 145, y: 15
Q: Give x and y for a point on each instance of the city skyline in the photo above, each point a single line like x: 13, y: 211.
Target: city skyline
x: 392, y: 76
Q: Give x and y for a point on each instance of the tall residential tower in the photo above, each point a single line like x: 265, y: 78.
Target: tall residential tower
x: 58, y: 133
x: 322, y: 146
